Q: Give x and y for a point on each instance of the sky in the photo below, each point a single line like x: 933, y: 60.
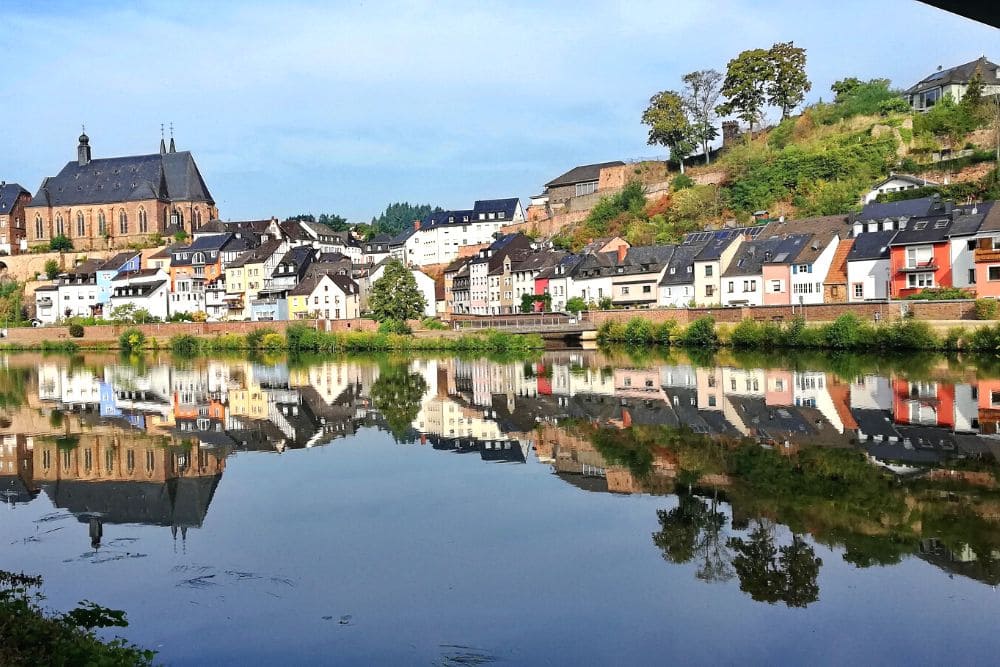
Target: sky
x: 344, y: 108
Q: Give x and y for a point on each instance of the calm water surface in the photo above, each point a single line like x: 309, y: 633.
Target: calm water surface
x: 576, y: 508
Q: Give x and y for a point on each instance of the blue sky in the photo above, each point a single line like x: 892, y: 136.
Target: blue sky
x: 346, y: 107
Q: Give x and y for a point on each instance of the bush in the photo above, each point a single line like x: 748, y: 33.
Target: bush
x: 986, y: 309
x: 184, y: 345
x: 700, y: 333
x: 51, y: 269
x: 893, y: 105
x: 842, y: 333
x: 663, y: 331
x: 985, y: 339
x: 273, y: 342
x: 60, y: 243
x: 575, y: 305
x: 393, y: 327
x: 746, y: 334
x: 76, y: 330
x: 638, y: 331
x: 433, y: 324
x: 131, y: 340
x: 255, y: 338
x: 681, y: 182
x: 611, y: 331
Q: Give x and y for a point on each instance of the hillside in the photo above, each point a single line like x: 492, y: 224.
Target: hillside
x: 819, y: 162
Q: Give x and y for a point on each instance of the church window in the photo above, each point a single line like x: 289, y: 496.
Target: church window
x: 80, y: 227
x: 102, y: 224
x: 39, y: 227
x: 122, y: 222
x: 60, y: 226
x: 143, y: 225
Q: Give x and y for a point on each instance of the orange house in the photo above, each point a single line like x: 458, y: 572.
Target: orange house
x: 919, y: 256
x: 202, y: 259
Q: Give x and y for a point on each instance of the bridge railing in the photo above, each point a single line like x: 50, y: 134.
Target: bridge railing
x: 519, y: 322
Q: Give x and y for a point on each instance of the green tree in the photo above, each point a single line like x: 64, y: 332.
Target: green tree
x: 60, y: 243
x: 400, y: 216
x: 788, y: 84
x: 668, y: 124
x: 844, y: 88
x: 397, y: 394
x: 701, y: 94
x: 576, y: 305
x: 51, y: 269
x: 745, y: 86
x: 395, y: 295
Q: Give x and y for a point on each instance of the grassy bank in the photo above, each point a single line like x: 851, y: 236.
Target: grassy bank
x: 847, y: 332
x: 304, y: 339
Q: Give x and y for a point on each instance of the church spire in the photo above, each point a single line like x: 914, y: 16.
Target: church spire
x: 83, y: 149
x: 163, y: 146
x: 173, y: 148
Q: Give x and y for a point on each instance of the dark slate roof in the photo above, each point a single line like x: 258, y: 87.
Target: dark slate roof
x: 537, y: 261
x: 299, y: 257
x: 346, y: 285
x: 118, y: 261
x: 821, y: 228
x: 138, y: 289
x: 966, y: 222
x: 991, y: 222
x: 163, y: 176
x: 677, y: 268
x: 961, y: 74
x: 293, y: 231
x: 505, y: 206
x: 927, y: 229
x: 9, y: 192
x: 569, y: 263
x: 141, y: 273
x: 906, y: 208
x: 750, y: 257
x: 582, y: 174
x: 86, y: 268
x: 212, y: 242
x: 871, y: 245
x: 788, y: 249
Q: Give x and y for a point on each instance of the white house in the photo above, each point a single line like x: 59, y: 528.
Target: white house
x: 187, y: 296
x: 868, y: 268
x: 47, y: 304
x: 330, y: 296
x: 147, y: 289
x: 79, y: 291
x: 895, y: 183
x: 811, y: 268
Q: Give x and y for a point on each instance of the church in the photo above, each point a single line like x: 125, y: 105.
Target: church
x: 113, y: 202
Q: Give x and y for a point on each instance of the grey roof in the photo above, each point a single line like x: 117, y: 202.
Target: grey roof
x: 750, y: 257
x: 870, y: 245
x: 162, y: 176
x: 960, y: 74
x: 138, y: 289
x: 714, y: 242
x: 506, y: 206
x: 536, y: 261
x: 906, y: 208
x: 968, y: 223
x: 9, y: 192
x: 582, y: 173
x: 141, y: 273
x: 926, y: 229
x: 346, y: 285
x: 676, y: 272
x: 787, y: 251
x: 568, y: 263
x: 118, y: 261
x: 821, y: 228
x: 259, y: 254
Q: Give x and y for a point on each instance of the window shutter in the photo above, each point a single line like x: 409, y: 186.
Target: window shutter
x: 810, y: 268
x: 795, y: 269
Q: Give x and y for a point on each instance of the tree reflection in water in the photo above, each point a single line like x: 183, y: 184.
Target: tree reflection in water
x: 776, y: 574
x: 397, y: 394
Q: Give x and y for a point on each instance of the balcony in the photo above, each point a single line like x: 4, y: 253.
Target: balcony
x: 987, y: 255
x: 919, y: 268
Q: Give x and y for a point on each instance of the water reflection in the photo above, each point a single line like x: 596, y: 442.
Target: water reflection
x: 766, y: 458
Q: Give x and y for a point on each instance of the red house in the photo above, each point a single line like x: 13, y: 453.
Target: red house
x: 919, y: 256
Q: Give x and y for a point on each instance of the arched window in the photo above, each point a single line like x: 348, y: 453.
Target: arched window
x: 196, y: 219
x: 122, y: 222
x: 102, y: 224
x: 177, y: 218
x: 81, y: 230
x: 39, y: 227
x: 60, y: 226
x: 143, y: 227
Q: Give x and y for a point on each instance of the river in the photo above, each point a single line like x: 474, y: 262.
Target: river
x: 572, y: 508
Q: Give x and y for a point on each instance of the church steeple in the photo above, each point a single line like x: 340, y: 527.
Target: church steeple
x: 83, y: 149
x: 173, y: 148
x: 163, y: 146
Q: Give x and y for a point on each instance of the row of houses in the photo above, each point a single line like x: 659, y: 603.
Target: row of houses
x: 259, y: 270
x: 889, y: 250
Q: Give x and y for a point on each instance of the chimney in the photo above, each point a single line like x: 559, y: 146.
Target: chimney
x: 622, y: 251
x: 416, y: 225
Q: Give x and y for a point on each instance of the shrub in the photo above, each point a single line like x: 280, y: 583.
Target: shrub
x: 255, y: 338
x: 184, y: 344
x: 392, y: 326
x: 60, y: 244
x: 575, y: 305
x: 433, y: 324
x: 893, y: 105
x: 986, y: 309
x: 131, y: 340
x: 638, y: 331
x: 842, y: 333
x: 700, y: 333
x: 273, y: 341
x: 663, y: 331
x: 681, y: 182
x: 76, y: 330
x: 51, y: 269
x: 611, y: 331
x: 985, y: 339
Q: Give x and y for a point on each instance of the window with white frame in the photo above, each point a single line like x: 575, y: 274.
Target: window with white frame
x: 777, y: 286
x: 587, y: 188
x: 920, y: 280
x: 920, y: 255
x: 859, y: 291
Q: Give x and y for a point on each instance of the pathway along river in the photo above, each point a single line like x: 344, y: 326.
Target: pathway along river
x: 577, y: 508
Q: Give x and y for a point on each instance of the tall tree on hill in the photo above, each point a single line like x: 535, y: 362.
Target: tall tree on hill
x: 701, y: 93
x: 395, y: 296
x: 788, y: 83
x: 668, y: 124
x: 399, y: 216
x: 745, y: 86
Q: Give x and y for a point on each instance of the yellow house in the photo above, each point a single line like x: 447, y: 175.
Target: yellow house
x: 245, y: 276
x: 331, y: 297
